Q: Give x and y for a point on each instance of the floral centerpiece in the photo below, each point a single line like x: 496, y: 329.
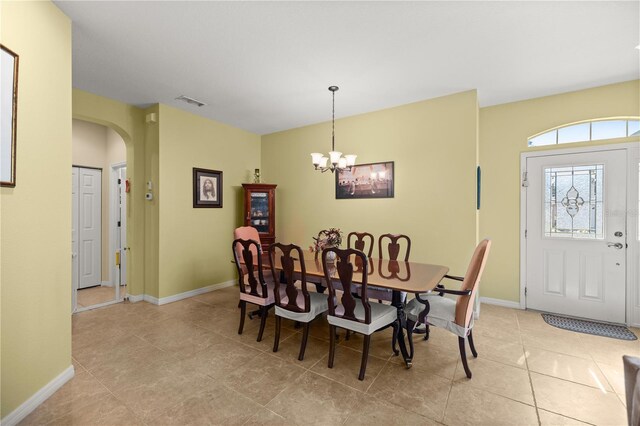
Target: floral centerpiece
x: 326, y: 238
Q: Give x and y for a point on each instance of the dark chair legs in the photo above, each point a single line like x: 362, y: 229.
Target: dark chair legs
x: 396, y: 329
x: 426, y: 332
x: 243, y: 312
x: 264, y: 312
x: 332, y: 345
x: 276, y: 340
x: 410, y: 326
x: 346, y: 336
x: 303, y: 345
x: 365, y: 356
x: 473, y: 348
x: 463, y: 355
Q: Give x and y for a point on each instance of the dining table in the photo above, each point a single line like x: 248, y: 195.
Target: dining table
x: 398, y: 276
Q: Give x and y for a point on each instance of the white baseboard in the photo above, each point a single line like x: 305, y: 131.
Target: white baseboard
x: 181, y: 296
x: 500, y: 302
x: 17, y: 415
x: 136, y: 298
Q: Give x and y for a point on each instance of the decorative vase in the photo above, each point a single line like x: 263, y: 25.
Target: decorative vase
x: 331, y: 256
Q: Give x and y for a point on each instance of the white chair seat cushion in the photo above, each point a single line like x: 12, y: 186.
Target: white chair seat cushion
x: 381, y: 315
x: 257, y: 300
x: 318, y: 304
x: 442, y: 313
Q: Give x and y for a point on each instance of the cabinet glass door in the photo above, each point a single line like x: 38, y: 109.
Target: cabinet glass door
x: 260, y: 211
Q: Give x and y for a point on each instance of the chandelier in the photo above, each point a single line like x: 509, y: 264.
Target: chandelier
x: 335, y: 161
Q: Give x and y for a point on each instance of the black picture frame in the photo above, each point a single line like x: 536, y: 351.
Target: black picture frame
x: 203, y: 196
x: 359, y: 181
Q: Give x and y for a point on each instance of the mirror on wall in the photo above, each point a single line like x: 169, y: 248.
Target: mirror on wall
x: 8, y: 109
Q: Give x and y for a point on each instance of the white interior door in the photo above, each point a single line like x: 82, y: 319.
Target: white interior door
x: 123, y: 225
x: 576, y: 234
x: 74, y: 237
x: 90, y: 227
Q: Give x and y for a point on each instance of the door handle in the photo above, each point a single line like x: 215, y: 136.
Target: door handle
x: 615, y: 245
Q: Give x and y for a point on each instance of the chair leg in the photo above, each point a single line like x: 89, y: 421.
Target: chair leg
x: 346, y: 337
x: 276, y: 340
x: 463, y: 355
x: 471, y: 345
x: 394, y: 339
x: 332, y: 345
x: 426, y: 332
x: 243, y: 312
x: 410, y: 326
x: 365, y: 356
x: 303, y: 345
x: 264, y: 312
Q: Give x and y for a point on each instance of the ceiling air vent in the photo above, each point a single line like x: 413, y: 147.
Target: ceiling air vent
x: 189, y: 100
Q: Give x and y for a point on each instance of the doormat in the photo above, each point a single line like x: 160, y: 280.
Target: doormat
x: 590, y: 327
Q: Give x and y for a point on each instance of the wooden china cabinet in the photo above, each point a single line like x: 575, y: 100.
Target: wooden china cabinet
x: 260, y: 211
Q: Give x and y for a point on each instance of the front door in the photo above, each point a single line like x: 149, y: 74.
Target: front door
x: 576, y: 234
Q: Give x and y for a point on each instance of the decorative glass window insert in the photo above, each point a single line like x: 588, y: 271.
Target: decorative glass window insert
x: 589, y: 131
x: 573, y: 202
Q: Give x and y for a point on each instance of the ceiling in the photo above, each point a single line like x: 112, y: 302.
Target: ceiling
x: 265, y: 66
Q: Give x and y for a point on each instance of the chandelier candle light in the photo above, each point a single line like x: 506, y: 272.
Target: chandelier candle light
x: 336, y: 160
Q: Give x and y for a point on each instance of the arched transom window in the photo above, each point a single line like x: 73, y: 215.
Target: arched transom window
x: 594, y: 130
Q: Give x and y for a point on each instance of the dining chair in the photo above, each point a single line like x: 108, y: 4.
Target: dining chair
x: 360, y: 240
x: 354, y: 314
x: 255, y: 288
x: 293, y: 302
x: 247, y: 233
x: 393, y: 247
x: 391, y: 253
x: 453, y: 315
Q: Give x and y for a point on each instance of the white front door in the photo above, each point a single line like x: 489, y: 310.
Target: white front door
x: 122, y: 176
x: 74, y: 237
x: 576, y: 234
x: 89, y: 227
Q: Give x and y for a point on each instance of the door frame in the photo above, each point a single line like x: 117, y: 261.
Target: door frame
x: 113, y: 228
x: 632, y: 294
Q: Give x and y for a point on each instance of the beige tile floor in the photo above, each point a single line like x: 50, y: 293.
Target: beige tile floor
x: 184, y: 363
x: 95, y: 295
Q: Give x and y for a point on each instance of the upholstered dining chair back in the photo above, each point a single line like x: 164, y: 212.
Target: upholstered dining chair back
x: 361, y: 241
x: 345, y: 307
x: 247, y: 233
x: 464, y: 304
x: 248, y: 258
x: 393, y: 246
x: 296, y: 299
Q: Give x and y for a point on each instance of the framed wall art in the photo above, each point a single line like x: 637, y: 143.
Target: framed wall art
x: 207, y: 188
x: 373, y: 180
x: 8, y: 109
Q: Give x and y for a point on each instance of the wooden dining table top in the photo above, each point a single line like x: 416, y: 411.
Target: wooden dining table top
x: 410, y: 277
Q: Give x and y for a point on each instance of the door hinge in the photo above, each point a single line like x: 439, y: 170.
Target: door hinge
x: 119, y: 181
x: 525, y: 291
x: 525, y: 182
x: 118, y: 224
x: 525, y: 233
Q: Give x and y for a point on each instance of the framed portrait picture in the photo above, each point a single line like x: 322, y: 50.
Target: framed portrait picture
x: 207, y: 188
x: 9, y: 95
x: 373, y: 180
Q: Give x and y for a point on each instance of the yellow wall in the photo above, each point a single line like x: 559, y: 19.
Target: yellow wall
x: 504, y: 130
x: 195, y: 243
x: 94, y: 145
x: 433, y: 144
x: 128, y: 122
x: 35, y: 223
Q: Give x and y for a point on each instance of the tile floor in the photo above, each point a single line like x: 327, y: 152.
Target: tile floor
x: 184, y: 363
